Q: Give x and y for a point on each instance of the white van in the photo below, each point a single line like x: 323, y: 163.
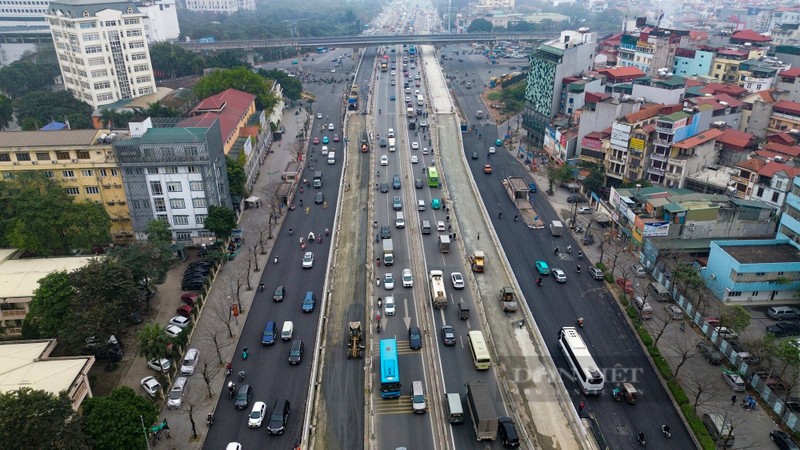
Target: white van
x: 455, y: 412
x: 418, y: 398
x: 645, y: 310
x: 400, y: 220
x: 420, y: 205
x: 426, y: 227
x: 332, y: 158
x: 287, y: 330
x: 392, y: 146
x: 782, y: 313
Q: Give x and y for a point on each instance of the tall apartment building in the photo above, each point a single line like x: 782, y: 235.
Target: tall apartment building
x: 173, y: 173
x: 23, y: 13
x: 220, y: 6
x: 651, y: 49
x: 570, y: 55
x: 81, y: 160
x: 102, y: 50
x: 789, y: 226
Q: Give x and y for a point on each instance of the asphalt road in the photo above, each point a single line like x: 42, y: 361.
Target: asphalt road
x: 267, y: 367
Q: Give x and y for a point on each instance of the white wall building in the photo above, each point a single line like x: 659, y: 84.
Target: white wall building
x: 23, y: 13
x: 102, y: 50
x: 220, y: 6
x: 161, y: 23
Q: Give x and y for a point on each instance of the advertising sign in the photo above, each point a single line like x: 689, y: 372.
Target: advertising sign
x: 656, y: 229
x: 637, y: 144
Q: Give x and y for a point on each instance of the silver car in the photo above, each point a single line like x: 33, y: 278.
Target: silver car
x: 559, y: 275
x: 190, y: 361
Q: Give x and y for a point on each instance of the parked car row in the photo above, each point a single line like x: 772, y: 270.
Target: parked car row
x: 196, y: 275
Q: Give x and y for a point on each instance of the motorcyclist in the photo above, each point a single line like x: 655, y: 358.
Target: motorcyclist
x: 579, y: 268
x: 241, y: 375
x: 640, y: 437
x: 665, y: 429
x: 379, y: 111
x: 291, y: 231
x: 229, y: 368
x: 539, y: 281
x: 310, y: 236
x: 580, y: 321
x: 244, y: 353
x: 210, y: 418
x: 261, y: 285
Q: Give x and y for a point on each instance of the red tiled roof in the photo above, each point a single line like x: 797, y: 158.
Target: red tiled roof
x: 622, y: 72
x: 594, y: 135
x: 735, y: 138
x: 716, y: 88
x: 781, y: 138
x: 787, y: 150
x: 771, y: 168
x: 692, y: 82
x: 596, y: 97
x: 645, y: 113
x: 753, y: 164
x: 793, y: 73
x: 768, y: 154
x: 750, y: 35
x: 694, y: 141
x: 732, y: 52
x: 698, y: 35
x: 732, y: 102
x: 228, y: 106
x: 766, y: 95
x: 787, y: 106
x: 650, y: 127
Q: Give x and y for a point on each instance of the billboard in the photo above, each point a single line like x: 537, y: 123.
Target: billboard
x: 656, y: 229
x: 637, y: 144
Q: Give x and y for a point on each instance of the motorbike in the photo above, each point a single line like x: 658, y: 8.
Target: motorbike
x: 579, y: 268
x: 665, y: 429
x: 228, y: 370
x: 319, y: 239
x: 380, y: 302
x: 539, y: 282
x: 580, y: 322
x: 210, y: 419
x: 261, y: 285
x: 276, y: 259
x: 241, y: 375
x: 244, y: 354
x: 640, y: 439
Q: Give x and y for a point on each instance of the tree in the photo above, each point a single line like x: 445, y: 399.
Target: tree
x: 236, y: 176
x: 239, y: 78
x: 147, y: 262
x: 153, y: 342
x: 172, y: 61
x: 115, y: 421
x: 480, y: 26
x: 292, y: 86
x: 596, y: 179
x: 735, y: 317
x: 158, y: 231
x: 44, y: 106
x: 21, y: 77
x: 685, y: 350
x: 50, y: 308
x: 220, y: 221
x: 6, y: 111
x: 700, y: 388
x: 39, y: 419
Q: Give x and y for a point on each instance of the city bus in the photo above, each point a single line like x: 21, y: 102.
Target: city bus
x: 322, y: 50
x: 587, y: 374
x: 433, y: 177
x: 412, y: 50
x: 479, y: 351
x: 390, y: 372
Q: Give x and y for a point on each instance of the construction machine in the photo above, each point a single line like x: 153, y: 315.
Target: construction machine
x: 355, y: 341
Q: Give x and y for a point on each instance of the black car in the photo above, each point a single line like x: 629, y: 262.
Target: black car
x: 384, y: 187
x: 474, y: 155
x: 200, y: 270
x: 110, y: 354
x: 508, y: 432
x: 396, y: 181
x: 782, y: 440
x: 414, y: 338
x: 575, y: 198
x: 383, y: 143
x: 783, y: 329
x: 386, y: 232
x: 201, y: 263
x: 279, y: 417
x: 193, y: 285
x: 319, y: 198
x: 280, y: 294
x: 296, y: 352
x: 243, y: 396
x: 418, y: 183
x: 448, y: 335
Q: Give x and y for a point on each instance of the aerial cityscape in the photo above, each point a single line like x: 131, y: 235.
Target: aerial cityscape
x: 417, y: 224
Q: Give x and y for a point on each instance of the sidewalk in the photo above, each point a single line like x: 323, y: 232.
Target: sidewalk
x: 206, y: 327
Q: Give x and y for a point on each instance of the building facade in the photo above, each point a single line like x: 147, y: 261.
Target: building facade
x: 102, y: 50
x: 789, y: 228
x: 785, y: 117
x: 690, y: 63
x: 220, y: 6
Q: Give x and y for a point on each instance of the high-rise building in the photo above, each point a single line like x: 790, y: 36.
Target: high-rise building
x: 651, y: 49
x: 102, y: 49
x: 220, y: 6
x: 572, y: 54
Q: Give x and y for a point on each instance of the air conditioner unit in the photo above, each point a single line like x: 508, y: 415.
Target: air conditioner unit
x: 34, y: 162
x: 713, y: 277
x: 54, y: 161
x: 16, y: 163
x: 74, y: 160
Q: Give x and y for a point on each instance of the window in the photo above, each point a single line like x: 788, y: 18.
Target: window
x: 91, y: 37
x: 735, y: 294
x: 155, y: 188
x: 48, y: 173
x: 67, y: 174
x: 192, y: 169
x: 92, y: 190
x: 141, y: 68
x: 87, y: 172
x: 42, y: 156
x: 133, y: 33
x: 775, y: 197
x: 93, y: 49
x: 101, y: 172
x: 62, y: 155
x: 760, y: 191
x: 99, y: 73
x: 163, y: 217
x: 183, y: 236
x: 755, y: 293
x: 200, y: 219
x: 23, y: 156
x: 138, y: 56
x: 174, y: 186
x: 138, y: 44
x: 171, y: 169
x: 159, y: 204
x: 143, y: 79
x: 86, y: 25
x: 177, y: 203
x: 5, y: 157
x: 181, y: 220
x: 114, y: 172
x: 199, y: 202
x: 196, y: 185
x: 102, y: 85
x: 96, y: 61
x: 72, y: 191
x: 105, y: 97
x: 152, y: 170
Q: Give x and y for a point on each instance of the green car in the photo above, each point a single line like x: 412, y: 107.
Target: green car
x: 542, y: 268
x: 435, y: 204
x: 498, y: 142
x: 325, y: 139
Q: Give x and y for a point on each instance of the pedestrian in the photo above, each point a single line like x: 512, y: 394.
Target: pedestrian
x: 479, y: 236
x: 733, y: 400
x: 581, y: 405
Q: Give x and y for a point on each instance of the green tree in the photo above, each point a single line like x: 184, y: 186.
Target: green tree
x: 220, y: 221
x: 480, y: 26
x: 158, y: 231
x: 521, y: 27
x: 50, y: 308
x: 239, y: 78
x: 148, y: 262
x: 172, y: 61
x: 596, y: 179
x: 292, y: 86
x: 115, y: 421
x: 6, y: 111
x: 734, y: 317
x: 153, y: 342
x: 21, y: 77
x: 41, y: 420
x: 236, y: 176
x: 44, y: 106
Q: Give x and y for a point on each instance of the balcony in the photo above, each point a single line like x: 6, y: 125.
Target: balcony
x: 661, y: 142
x: 617, y: 159
x: 13, y: 314
x: 658, y: 157
x: 661, y: 128
x: 654, y: 171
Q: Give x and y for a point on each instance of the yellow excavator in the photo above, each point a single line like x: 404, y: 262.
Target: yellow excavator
x: 354, y: 343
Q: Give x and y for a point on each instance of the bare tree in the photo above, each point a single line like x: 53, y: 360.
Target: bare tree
x: 209, y: 372
x: 224, y: 312
x: 658, y: 326
x: 701, y: 388
x: 684, y: 349
x: 262, y: 232
x: 191, y: 421
x: 234, y: 284
x: 220, y: 344
x: 615, y: 250
x: 254, y: 255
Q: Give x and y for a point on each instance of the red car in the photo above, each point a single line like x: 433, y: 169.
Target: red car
x: 316, y: 140
x: 417, y: 83
x: 626, y: 285
x: 335, y: 138
x: 190, y: 299
x: 185, y: 311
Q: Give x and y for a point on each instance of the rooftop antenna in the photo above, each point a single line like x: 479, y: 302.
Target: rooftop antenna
x: 658, y: 21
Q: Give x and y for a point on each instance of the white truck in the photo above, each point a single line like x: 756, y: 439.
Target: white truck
x: 392, y: 143
x: 444, y: 243
x: 388, y: 252
x: 438, y: 294
x: 481, y: 408
x: 409, y: 112
x: 556, y: 227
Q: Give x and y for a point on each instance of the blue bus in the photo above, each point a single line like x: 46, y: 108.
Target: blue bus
x: 322, y: 49
x: 412, y: 50
x: 390, y: 372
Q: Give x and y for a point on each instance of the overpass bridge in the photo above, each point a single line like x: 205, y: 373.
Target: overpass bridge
x: 368, y: 41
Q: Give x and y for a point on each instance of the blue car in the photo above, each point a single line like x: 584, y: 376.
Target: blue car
x: 392, y: 98
x: 308, y: 302
x: 542, y: 268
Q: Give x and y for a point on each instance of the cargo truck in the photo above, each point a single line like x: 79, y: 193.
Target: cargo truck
x: 481, y: 408
x: 444, y: 244
x: 409, y: 112
x: 388, y: 252
x: 556, y: 227
x: 438, y: 294
x: 392, y: 144
x: 317, y: 179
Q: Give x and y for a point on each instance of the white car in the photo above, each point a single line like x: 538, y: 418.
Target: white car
x: 726, y: 332
x: 457, y: 279
x: 308, y: 260
x: 319, y: 115
x: 424, y: 150
x: 324, y: 150
x: 257, y: 415
x: 330, y: 126
x: 179, y: 321
x: 414, y: 159
x: 388, y: 305
x: 408, y: 279
x: 492, y: 150
x: 190, y: 361
x: 415, y: 145
x: 173, y: 331
x: 440, y: 225
x: 159, y: 364
x: 384, y: 160
x: 585, y: 210
x: 390, y: 133
x: 734, y: 381
x: 151, y: 386
x: 559, y: 275
x: 393, y: 73
x: 388, y: 281
x: 333, y: 70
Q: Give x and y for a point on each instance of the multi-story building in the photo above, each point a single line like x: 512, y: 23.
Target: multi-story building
x: 651, y: 49
x: 774, y: 183
x: 735, y: 146
x: 690, y: 156
x: 670, y: 130
x: 174, y: 174
x: 23, y: 13
x: 82, y: 161
x: 755, y: 75
x: 618, y: 80
x: 692, y: 63
x: 220, y: 6
x: 570, y: 55
x: 664, y: 88
x: 574, y: 91
x: 102, y: 50
x: 785, y: 117
x: 161, y: 23
x: 750, y: 38
x: 631, y: 142
x: 788, y: 84
x: 725, y: 65
x: 756, y: 112
x: 789, y: 227
x: 601, y: 110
